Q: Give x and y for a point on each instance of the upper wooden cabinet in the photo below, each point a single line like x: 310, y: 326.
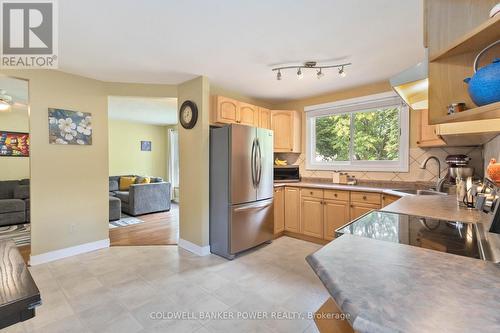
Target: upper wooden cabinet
x: 452, y: 50
x: 225, y: 110
x: 230, y: 111
x: 248, y: 114
x: 427, y: 136
x: 265, y: 118
x: 287, y: 130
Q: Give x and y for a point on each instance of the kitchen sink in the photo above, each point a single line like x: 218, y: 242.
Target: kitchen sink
x: 421, y: 192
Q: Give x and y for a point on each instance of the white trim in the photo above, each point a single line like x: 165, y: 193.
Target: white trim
x: 350, y: 106
x: 352, y: 101
x: 194, y: 248
x: 68, y: 252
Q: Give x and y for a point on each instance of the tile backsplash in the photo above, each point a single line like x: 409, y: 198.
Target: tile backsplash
x: 417, y: 156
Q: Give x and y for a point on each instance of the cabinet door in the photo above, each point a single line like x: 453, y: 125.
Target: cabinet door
x: 226, y: 110
x: 292, y: 209
x: 388, y: 199
x: 427, y: 133
x: 279, y: 210
x: 265, y: 118
x: 282, y: 125
x: 312, y: 217
x: 358, y: 209
x: 248, y: 114
x: 336, y: 214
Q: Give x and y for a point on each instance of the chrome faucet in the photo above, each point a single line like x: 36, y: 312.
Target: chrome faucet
x: 440, y: 181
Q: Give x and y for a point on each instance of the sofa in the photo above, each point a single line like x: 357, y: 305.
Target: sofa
x: 140, y: 199
x: 14, y: 202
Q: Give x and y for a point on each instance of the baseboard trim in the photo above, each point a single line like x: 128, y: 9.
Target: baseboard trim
x: 196, y: 249
x: 68, y: 252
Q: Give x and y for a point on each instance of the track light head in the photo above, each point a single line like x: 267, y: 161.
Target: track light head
x: 278, y: 75
x: 299, y: 74
x: 320, y: 74
x: 342, y: 72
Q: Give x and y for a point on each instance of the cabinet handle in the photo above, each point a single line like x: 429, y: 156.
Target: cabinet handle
x: 335, y: 195
x: 291, y: 149
x: 352, y: 206
x: 364, y: 197
x: 311, y: 193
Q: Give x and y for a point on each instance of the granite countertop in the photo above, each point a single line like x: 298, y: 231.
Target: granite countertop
x: 377, y: 187
x: 438, y: 207
x: 389, y: 287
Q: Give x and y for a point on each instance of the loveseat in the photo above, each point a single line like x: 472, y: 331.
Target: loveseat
x: 14, y: 202
x: 141, y: 199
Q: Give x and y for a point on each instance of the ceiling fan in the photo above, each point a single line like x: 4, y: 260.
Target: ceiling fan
x: 7, y: 102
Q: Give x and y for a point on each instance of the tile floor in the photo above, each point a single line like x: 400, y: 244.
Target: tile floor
x: 117, y: 289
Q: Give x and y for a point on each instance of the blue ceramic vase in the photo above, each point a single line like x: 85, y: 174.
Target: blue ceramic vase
x: 484, y: 85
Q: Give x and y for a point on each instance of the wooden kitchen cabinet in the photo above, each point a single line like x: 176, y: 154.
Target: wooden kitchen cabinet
x: 335, y: 214
x: 279, y: 210
x: 287, y: 130
x: 292, y: 209
x: 358, y: 209
x: 225, y: 110
x: 388, y: 199
x: 427, y: 133
x: 248, y: 114
x: 312, y: 216
x: 265, y: 118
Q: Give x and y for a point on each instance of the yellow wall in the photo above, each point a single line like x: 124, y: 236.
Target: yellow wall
x: 194, y: 164
x: 125, y: 155
x: 14, y: 167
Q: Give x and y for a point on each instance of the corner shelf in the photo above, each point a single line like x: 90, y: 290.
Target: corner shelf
x: 479, y: 113
x: 475, y: 40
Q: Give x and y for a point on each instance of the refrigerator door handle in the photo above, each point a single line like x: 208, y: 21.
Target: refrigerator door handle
x: 254, y: 206
x: 252, y: 163
x: 259, y: 165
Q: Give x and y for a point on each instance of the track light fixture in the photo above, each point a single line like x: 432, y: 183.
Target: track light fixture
x: 311, y: 65
x: 342, y: 72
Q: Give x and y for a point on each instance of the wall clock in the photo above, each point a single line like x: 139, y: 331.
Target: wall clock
x: 188, y: 114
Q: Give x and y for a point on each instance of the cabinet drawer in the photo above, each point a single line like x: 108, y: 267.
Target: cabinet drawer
x: 312, y: 192
x: 366, y: 197
x: 337, y: 195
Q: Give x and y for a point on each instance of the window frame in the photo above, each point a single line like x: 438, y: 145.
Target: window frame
x: 350, y: 106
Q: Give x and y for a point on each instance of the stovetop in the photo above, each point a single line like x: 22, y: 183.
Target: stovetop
x: 439, y: 235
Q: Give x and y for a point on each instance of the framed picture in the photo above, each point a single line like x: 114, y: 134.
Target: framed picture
x: 14, y: 144
x: 70, y: 127
x: 145, y: 145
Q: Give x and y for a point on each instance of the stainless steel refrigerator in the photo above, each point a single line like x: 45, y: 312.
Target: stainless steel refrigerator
x: 241, y: 188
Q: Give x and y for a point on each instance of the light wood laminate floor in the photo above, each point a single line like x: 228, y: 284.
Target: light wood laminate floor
x: 157, y: 229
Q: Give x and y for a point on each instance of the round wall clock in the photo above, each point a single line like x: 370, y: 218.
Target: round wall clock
x: 188, y: 114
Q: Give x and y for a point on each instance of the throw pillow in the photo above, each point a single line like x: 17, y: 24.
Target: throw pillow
x: 143, y: 180
x: 125, y: 183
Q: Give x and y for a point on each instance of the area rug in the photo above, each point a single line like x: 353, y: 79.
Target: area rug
x: 20, y: 233
x: 124, y: 221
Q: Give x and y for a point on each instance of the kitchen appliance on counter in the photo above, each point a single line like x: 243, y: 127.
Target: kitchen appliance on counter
x: 444, y: 236
x: 286, y: 173
x: 241, y: 188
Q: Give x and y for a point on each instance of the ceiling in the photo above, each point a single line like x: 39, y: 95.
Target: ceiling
x: 153, y: 111
x: 236, y: 43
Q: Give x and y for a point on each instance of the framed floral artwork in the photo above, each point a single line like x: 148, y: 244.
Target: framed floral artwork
x: 70, y: 127
x: 14, y: 144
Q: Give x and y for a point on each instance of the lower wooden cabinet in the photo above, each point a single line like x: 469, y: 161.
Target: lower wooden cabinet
x: 279, y: 210
x: 292, y: 209
x: 388, y: 199
x: 358, y: 209
x: 335, y: 215
x: 312, y: 216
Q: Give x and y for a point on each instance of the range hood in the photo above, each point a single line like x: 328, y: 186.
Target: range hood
x: 413, y: 85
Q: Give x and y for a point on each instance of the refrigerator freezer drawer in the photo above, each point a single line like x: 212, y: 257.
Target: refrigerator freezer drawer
x: 251, y: 225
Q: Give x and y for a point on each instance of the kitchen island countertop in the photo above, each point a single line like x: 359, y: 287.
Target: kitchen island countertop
x: 390, y: 287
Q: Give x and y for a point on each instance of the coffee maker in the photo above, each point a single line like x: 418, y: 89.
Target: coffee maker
x: 463, y: 176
